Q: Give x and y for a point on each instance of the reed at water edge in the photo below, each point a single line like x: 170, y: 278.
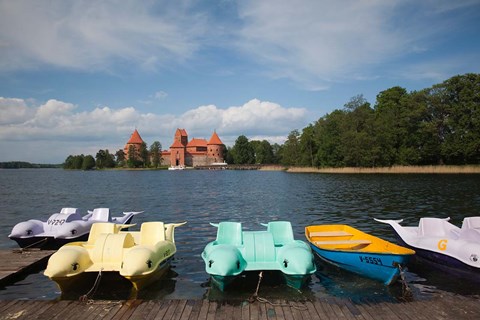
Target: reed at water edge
x: 441, y: 169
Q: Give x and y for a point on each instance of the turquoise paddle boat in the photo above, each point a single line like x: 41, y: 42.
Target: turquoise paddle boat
x: 236, y: 251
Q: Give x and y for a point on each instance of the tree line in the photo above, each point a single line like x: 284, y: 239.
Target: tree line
x: 142, y: 158
x: 434, y: 126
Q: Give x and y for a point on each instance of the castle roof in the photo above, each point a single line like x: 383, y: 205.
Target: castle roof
x: 177, y: 144
x: 135, y: 138
x: 181, y: 132
x: 215, y: 139
x: 197, y: 143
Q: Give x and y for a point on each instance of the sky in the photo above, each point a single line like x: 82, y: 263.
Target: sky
x: 80, y: 76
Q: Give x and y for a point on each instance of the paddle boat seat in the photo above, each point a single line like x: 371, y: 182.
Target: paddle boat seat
x: 229, y: 233
x: 434, y: 227
x: 152, y: 233
x: 471, y: 229
x: 281, y: 231
x: 101, y: 214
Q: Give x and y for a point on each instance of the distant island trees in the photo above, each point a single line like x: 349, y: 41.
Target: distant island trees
x: 26, y: 165
x: 434, y: 126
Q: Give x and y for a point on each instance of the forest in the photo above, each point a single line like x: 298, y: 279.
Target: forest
x: 434, y: 126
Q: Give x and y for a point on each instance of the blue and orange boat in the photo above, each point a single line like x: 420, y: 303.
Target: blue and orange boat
x: 358, y: 252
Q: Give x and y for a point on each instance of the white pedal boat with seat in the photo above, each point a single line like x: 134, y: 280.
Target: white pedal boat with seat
x: 63, y: 227
x: 444, y: 246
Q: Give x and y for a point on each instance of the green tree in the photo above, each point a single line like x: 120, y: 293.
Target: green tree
x: 328, y: 136
x: 242, y: 151
x: 308, y: 146
x: 88, y: 163
x: 100, y: 159
x: 263, y: 151
x: 459, y: 103
x: 78, y: 161
x: 132, y: 158
x: 120, y: 155
x: 229, y: 155
x: 144, y: 155
x: 155, y: 152
x: 291, y: 149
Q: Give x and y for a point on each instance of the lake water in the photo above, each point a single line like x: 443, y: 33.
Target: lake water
x: 250, y: 197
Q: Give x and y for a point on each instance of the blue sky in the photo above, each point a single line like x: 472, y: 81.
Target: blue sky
x: 79, y: 76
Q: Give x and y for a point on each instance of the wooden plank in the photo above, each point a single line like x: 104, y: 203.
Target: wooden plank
x: 339, y: 233
x: 212, y: 310
x: 197, y: 307
x: 287, y: 311
x: 245, y: 311
x: 187, y: 310
x: 110, y: 309
x: 279, y: 310
x: 171, y: 309
x: 14, y: 264
x: 202, y: 315
x: 142, y: 311
x: 346, y: 312
x: 158, y: 309
x: 44, y: 308
x: 177, y: 312
x: 332, y: 302
x: 321, y: 243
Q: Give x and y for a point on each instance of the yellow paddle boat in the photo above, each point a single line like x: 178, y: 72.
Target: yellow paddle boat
x: 358, y: 252
x: 139, y: 256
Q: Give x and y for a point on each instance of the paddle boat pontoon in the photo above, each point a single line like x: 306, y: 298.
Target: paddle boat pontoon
x: 235, y: 251
x: 63, y: 227
x: 444, y: 246
x: 358, y: 252
x: 139, y: 256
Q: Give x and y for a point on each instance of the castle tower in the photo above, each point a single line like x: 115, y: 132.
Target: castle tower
x: 135, y: 141
x: 177, y: 149
x: 215, y: 149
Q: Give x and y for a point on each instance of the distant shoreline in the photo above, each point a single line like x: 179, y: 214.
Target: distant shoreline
x: 440, y: 169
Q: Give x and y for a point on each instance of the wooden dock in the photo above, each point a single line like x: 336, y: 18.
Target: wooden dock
x: 447, y: 307
x: 17, y: 263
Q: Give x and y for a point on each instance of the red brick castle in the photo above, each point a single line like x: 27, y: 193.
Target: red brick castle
x: 197, y: 152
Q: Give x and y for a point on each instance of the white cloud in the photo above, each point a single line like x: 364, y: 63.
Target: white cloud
x: 317, y: 42
x: 94, y: 34
x: 55, y: 129
x: 13, y: 111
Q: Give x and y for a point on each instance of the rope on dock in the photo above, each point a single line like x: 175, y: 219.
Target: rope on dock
x: 33, y: 244
x: 255, y: 297
x: 92, y: 291
x: 406, y: 291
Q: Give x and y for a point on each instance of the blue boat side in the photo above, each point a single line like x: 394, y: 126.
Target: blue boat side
x: 378, y: 266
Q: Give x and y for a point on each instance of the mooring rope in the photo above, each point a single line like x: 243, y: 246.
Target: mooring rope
x: 92, y: 291
x: 33, y: 244
x: 406, y: 291
x: 255, y: 297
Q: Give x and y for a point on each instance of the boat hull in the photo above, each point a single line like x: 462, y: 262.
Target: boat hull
x: 358, y: 252
x: 46, y: 243
x: 442, y: 262
x: 381, y: 267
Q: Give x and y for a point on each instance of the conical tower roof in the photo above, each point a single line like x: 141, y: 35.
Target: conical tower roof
x: 215, y: 139
x: 135, y: 138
